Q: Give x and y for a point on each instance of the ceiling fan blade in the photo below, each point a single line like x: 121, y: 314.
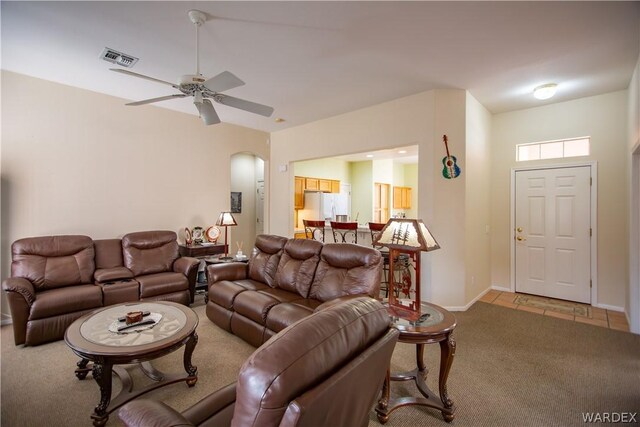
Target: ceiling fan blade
x: 153, y: 79
x: 223, y: 81
x: 161, y: 98
x: 252, y: 107
x: 207, y: 112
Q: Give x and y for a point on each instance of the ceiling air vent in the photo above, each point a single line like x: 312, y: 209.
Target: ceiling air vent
x: 119, y: 58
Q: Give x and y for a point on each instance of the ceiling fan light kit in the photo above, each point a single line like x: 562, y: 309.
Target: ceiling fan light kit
x: 202, y: 89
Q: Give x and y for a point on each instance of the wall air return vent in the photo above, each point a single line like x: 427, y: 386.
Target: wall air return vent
x: 115, y: 57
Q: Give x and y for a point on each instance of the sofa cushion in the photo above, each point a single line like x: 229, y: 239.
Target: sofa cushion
x: 251, y: 285
x: 108, y: 253
x: 265, y: 258
x: 346, y: 269
x: 65, y: 300
x: 309, y: 303
x: 297, y: 266
x: 281, y: 295
x: 53, y: 261
x: 254, y: 305
x: 285, y: 314
x: 224, y: 293
x: 161, y: 283
x: 149, y: 252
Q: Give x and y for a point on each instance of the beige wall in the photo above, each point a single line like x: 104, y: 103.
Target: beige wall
x: 419, y: 119
x: 411, y: 180
x: 79, y: 162
x: 328, y: 168
x: 362, y: 191
x: 478, y: 199
x: 632, y: 306
x: 603, y: 118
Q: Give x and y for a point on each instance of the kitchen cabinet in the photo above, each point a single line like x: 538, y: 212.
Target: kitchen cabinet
x: 316, y: 184
x: 312, y: 184
x: 299, y: 193
x: 324, y: 185
x: 402, y: 197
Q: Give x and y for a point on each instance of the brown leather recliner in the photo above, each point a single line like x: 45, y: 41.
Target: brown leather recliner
x: 152, y: 257
x: 51, y: 286
x: 325, y: 369
x: 285, y: 281
x: 56, y: 279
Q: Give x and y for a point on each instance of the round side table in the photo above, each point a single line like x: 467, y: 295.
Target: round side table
x: 434, y: 325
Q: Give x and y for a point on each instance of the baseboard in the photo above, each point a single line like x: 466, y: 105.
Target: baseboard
x: 466, y: 307
x: 610, y: 307
x: 500, y: 288
x: 6, y: 320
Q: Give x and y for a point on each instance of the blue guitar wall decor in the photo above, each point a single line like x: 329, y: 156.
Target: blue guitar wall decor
x: 451, y: 169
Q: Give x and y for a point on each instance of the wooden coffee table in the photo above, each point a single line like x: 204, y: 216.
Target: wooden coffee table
x: 100, y: 349
x: 437, y: 327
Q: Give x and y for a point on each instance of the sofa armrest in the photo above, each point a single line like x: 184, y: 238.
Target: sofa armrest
x: 20, y: 296
x: 189, y: 267
x: 21, y: 286
x: 227, y: 271
x: 150, y: 413
x: 338, y: 300
x: 216, y: 409
x: 102, y: 275
x: 185, y: 264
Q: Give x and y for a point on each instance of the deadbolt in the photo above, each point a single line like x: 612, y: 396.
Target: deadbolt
x: 519, y: 229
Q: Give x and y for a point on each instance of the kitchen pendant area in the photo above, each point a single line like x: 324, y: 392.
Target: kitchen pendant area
x: 361, y: 188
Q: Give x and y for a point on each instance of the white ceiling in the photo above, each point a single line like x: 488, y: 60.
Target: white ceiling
x: 312, y: 60
x: 405, y: 155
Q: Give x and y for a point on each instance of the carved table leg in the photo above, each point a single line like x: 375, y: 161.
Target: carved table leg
x: 102, y: 375
x: 422, y: 368
x: 188, y: 352
x: 82, y: 370
x: 383, y: 403
x: 447, y: 352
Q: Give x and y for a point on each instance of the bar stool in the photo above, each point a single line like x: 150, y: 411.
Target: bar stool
x: 314, y: 230
x: 344, y: 232
x: 376, y: 228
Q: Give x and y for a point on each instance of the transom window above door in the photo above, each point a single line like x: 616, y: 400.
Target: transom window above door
x: 556, y: 149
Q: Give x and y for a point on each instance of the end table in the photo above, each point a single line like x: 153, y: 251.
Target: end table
x: 435, y: 325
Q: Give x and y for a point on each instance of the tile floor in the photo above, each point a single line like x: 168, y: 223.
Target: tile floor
x: 598, y: 316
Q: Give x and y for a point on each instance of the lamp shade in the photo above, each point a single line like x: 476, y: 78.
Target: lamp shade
x: 226, y: 219
x: 406, y: 235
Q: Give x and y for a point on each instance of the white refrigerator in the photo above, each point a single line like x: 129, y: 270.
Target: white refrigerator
x: 318, y: 206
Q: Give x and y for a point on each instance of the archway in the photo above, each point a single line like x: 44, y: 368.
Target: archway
x: 247, y: 193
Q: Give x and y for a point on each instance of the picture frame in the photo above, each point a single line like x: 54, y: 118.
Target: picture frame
x: 236, y: 202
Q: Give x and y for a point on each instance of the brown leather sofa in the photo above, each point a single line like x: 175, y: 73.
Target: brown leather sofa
x: 324, y: 370
x: 56, y: 279
x: 285, y: 281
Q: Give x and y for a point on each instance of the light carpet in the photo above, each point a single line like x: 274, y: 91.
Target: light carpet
x: 511, y: 368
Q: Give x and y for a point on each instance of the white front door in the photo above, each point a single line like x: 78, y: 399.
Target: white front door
x: 552, y: 234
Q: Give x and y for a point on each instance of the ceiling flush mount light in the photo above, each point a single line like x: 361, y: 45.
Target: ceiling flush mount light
x: 402, y: 152
x: 545, y: 91
x: 369, y: 156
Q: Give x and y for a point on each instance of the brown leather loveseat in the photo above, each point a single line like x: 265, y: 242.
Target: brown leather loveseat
x: 324, y: 370
x: 56, y: 279
x: 285, y: 281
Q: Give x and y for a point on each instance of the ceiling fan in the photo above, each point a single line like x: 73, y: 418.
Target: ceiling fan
x: 202, y: 89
